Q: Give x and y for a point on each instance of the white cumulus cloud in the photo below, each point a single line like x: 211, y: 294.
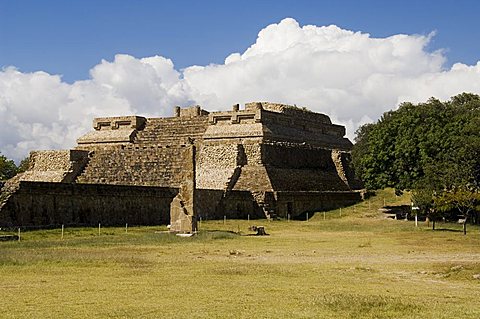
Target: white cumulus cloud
x: 348, y: 75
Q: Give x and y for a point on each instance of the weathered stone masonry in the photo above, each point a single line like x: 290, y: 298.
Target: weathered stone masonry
x: 264, y: 160
x: 48, y: 204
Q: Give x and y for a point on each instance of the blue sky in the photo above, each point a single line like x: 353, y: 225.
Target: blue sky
x: 70, y: 37
x: 63, y: 63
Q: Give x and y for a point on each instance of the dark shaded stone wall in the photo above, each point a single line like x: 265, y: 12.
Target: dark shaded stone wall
x: 286, y: 179
x: 298, y: 203
x: 215, y: 204
x: 284, y: 156
x: 47, y: 204
x: 305, y: 128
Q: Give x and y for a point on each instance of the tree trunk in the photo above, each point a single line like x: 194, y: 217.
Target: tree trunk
x: 465, y: 223
x: 433, y: 224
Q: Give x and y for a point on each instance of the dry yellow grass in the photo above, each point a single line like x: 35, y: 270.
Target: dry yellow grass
x: 354, y: 266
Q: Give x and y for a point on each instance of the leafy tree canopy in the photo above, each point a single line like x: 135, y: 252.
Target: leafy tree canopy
x: 435, y: 143
x: 432, y: 148
x: 24, y: 165
x: 8, y: 169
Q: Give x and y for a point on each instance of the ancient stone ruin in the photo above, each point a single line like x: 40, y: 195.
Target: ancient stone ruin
x: 266, y: 160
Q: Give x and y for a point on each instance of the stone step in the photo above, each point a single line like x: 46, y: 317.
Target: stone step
x: 143, y: 166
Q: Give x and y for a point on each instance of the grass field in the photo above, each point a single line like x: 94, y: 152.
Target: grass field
x: 356, y: 265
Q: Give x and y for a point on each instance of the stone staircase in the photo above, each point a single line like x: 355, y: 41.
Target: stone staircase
x: 172, y: 131
x: 264, y: 202
x: 147, y: 166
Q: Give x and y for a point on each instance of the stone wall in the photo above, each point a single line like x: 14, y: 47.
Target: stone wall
x: 192, y: 111
x: 277, y: 122
x: 216, y: 164
x: 218, y: 156
x: 292, y: 111
x: 297, y: 156
x: 47, y: 166
x: 112, y: 130
x: 279, y: 127
x: 50, y: 160
x: 242, y: 204
x: 253, y: 153
x: 296, y: 204
x: 55, y: 166
x: 216, y: 204
x: 47, y: 204
x: 288, y: 179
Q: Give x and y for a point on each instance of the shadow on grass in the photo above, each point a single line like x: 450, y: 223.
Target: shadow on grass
x: 216, y: 234
x: 304, y: 216
x: 448, y: 230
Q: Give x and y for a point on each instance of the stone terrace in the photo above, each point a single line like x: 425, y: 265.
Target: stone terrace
x: 266, y: 159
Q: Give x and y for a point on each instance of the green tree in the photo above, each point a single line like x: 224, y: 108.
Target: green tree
x: 406, y: 145
x: 463, y: 201
x: 24, y: 165
x: 423, y: 199
x: 432, y: 148
x: 8, y: 169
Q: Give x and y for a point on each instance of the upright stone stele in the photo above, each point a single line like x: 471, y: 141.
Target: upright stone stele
x: 182, y: 209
